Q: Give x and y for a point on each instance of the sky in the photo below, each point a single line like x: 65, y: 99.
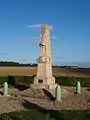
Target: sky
x: 71, y: 28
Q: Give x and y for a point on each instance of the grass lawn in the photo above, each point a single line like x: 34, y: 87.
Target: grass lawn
x: 47, y: 115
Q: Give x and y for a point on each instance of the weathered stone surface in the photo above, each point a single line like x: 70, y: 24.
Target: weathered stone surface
x: 44, y: 78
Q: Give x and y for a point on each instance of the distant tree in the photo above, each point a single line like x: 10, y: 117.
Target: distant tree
x: 6, y: 63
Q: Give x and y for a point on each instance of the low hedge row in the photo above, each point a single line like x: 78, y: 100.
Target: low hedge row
x: 27, y: 80
x: 17, y: 80
x: 71, y: 81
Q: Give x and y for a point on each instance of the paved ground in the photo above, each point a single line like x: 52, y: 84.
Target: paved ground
x: 41, y: 99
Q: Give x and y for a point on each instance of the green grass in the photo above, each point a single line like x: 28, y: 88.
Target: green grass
x: 71, y: 81
x: 47, y: 115
x: 27, y: 80
x: 27, y: 115
x: 71, y: 115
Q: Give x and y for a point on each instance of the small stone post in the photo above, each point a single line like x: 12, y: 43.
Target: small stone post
x: 58, y: 93
x: 5, y: 89
x: 78, y: 88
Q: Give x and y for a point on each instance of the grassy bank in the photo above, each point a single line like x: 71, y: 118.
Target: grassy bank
x: 47, y: 115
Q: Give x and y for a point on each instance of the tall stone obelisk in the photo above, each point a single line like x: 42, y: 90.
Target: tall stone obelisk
x: 44, y: 78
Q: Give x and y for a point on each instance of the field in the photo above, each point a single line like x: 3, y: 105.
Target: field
x: 29, y: 71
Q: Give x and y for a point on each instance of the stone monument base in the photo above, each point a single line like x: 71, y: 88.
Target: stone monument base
x: 50, y: 87
x: 44, y: 83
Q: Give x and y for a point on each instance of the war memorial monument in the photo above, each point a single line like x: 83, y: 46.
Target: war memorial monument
x: 44, y: 78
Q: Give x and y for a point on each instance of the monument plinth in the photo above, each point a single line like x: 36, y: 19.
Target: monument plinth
x: 44, y: 78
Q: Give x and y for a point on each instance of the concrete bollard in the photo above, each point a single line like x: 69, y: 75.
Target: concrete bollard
x: 58, y: 93
x: 5, y: 89
x: 78, y: 88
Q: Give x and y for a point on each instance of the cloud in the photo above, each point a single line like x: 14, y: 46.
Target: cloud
x: 22, y: 60
x: 39, y: 26
x: 53, y: 37
x: 51, y: 27
x: 58, y: 58
x: 33, y: 38
x: 37, y: 39
x: 34, y: 26
x: 3, y: 53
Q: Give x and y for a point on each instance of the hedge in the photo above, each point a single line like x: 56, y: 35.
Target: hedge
x: 27, y: 80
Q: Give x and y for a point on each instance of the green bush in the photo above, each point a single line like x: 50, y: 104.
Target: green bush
x: 27, y: 80
x: 3, y: 79
x: 71, y: 81
x: 16, y: 80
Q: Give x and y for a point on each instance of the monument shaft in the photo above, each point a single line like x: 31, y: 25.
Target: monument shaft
x: 44, y: 61
x: 44, y: 78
